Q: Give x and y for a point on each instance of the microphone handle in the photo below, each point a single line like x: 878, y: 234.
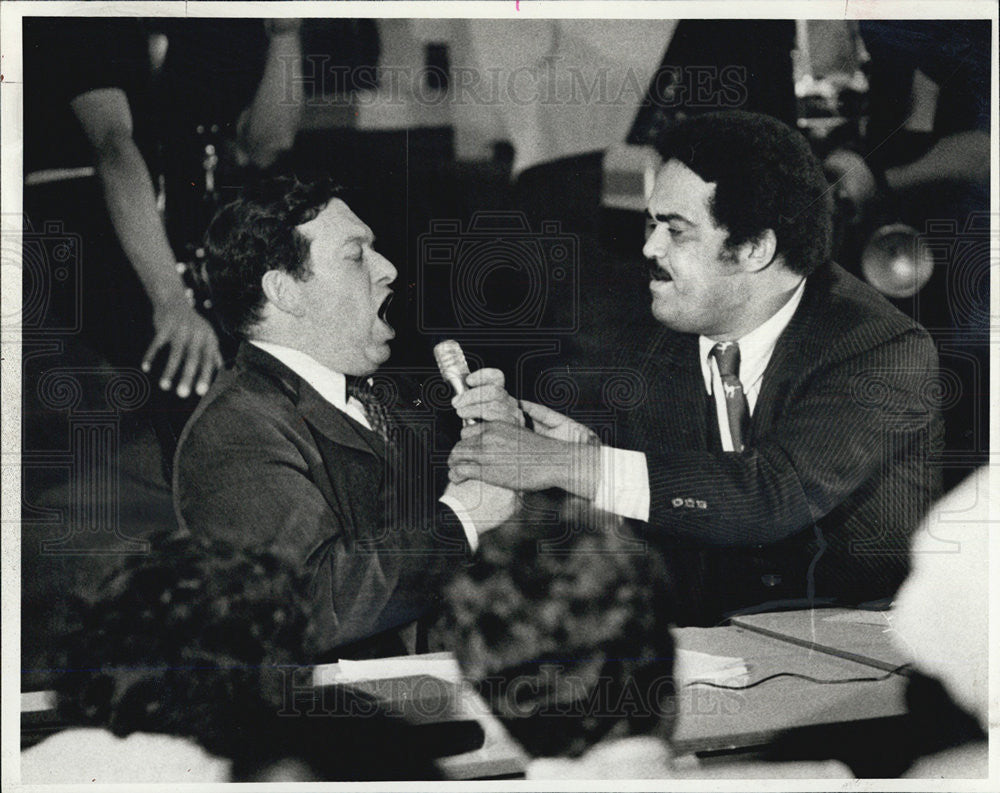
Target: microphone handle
x: 454, y: 369
x: 457, y: 383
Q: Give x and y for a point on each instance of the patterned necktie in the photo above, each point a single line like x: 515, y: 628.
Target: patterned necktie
x: 727, y: 356
x: 375, y: 411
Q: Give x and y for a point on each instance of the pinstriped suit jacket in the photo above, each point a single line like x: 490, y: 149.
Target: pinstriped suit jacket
x: 837, y: 474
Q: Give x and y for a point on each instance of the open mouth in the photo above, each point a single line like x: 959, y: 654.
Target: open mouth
x: 658, y: 274
x: 383, y: 310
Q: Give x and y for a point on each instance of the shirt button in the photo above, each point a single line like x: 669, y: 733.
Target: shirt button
x: 770, y: 580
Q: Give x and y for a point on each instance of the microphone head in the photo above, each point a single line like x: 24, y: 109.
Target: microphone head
x: 451, y: 361
x: 454, y: 368
x: 450, y: 358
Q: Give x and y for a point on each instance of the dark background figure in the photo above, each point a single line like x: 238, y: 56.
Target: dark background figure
x: 64, y: 60
x: 225, y: 88
x: 89, y: 113
x: 758, y: 53
x: 88, y: 316
x: 140, y: 105
x: 924, y: 160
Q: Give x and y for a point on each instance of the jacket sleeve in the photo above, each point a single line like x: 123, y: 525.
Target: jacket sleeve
x: 848, y: 422
x: 249, y: 484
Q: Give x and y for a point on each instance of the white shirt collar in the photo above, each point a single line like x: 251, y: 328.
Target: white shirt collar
x: 757, y: 346
x: 331, y: 385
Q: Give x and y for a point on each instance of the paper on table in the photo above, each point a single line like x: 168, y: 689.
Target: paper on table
x: 881, y: 619
x: 440, y: 665
x: 692, y: 666
x: 498, y: 755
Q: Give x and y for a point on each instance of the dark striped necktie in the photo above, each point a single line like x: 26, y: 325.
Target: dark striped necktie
x: 727, y: 356
x: 378, y: 416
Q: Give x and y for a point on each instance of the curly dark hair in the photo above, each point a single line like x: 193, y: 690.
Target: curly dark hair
x: 563, y: 627
x: 194, y: 639
x: 206, y: 641
x: 766, y: 177
x: 257, y: 233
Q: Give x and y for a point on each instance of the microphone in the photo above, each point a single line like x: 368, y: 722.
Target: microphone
x: 454, y: 368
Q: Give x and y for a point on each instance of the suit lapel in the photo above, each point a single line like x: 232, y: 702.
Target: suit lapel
x: 331, y: 423
x: 670, y: 364
x: 335, y: 425
x: 676, y: 404
x: 799, y: 345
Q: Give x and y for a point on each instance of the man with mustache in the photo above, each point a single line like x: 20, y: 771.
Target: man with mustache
x: 292, y: 451
x: 782, y: 455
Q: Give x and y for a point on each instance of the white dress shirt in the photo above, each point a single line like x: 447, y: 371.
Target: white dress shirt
x: 756, y: 349
x: 332, y: 386
x: 623, y: 487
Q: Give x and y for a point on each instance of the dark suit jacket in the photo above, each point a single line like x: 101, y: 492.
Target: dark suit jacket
x: 837, y: 474
x: 266, y: 462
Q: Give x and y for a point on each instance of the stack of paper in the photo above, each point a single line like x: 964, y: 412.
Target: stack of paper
x: 439, y: 665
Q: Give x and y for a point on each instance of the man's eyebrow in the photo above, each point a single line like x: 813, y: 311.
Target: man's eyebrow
x: 668, y: 218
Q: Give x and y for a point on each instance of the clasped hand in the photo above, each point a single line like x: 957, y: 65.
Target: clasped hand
x: 487, y: 505
x: 558, y: 453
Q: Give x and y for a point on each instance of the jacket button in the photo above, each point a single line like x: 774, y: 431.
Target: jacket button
x: 771, y: 579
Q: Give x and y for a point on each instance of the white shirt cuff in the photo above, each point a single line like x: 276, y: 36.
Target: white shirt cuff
x: 623, y: 487
x: 463, y: 517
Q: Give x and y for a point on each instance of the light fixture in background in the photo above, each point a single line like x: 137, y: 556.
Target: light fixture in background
x: 157, y: 44
x: 895, y: 262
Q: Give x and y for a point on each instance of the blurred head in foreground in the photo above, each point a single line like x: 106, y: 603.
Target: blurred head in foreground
x: 949, y: 708
x: 189, y: 639
x: 949, y: 565
x: 563, y: 627
x: 204, y: 641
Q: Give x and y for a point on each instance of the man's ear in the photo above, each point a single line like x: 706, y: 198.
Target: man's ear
x: 759, y: 252
x: 283, y: 291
